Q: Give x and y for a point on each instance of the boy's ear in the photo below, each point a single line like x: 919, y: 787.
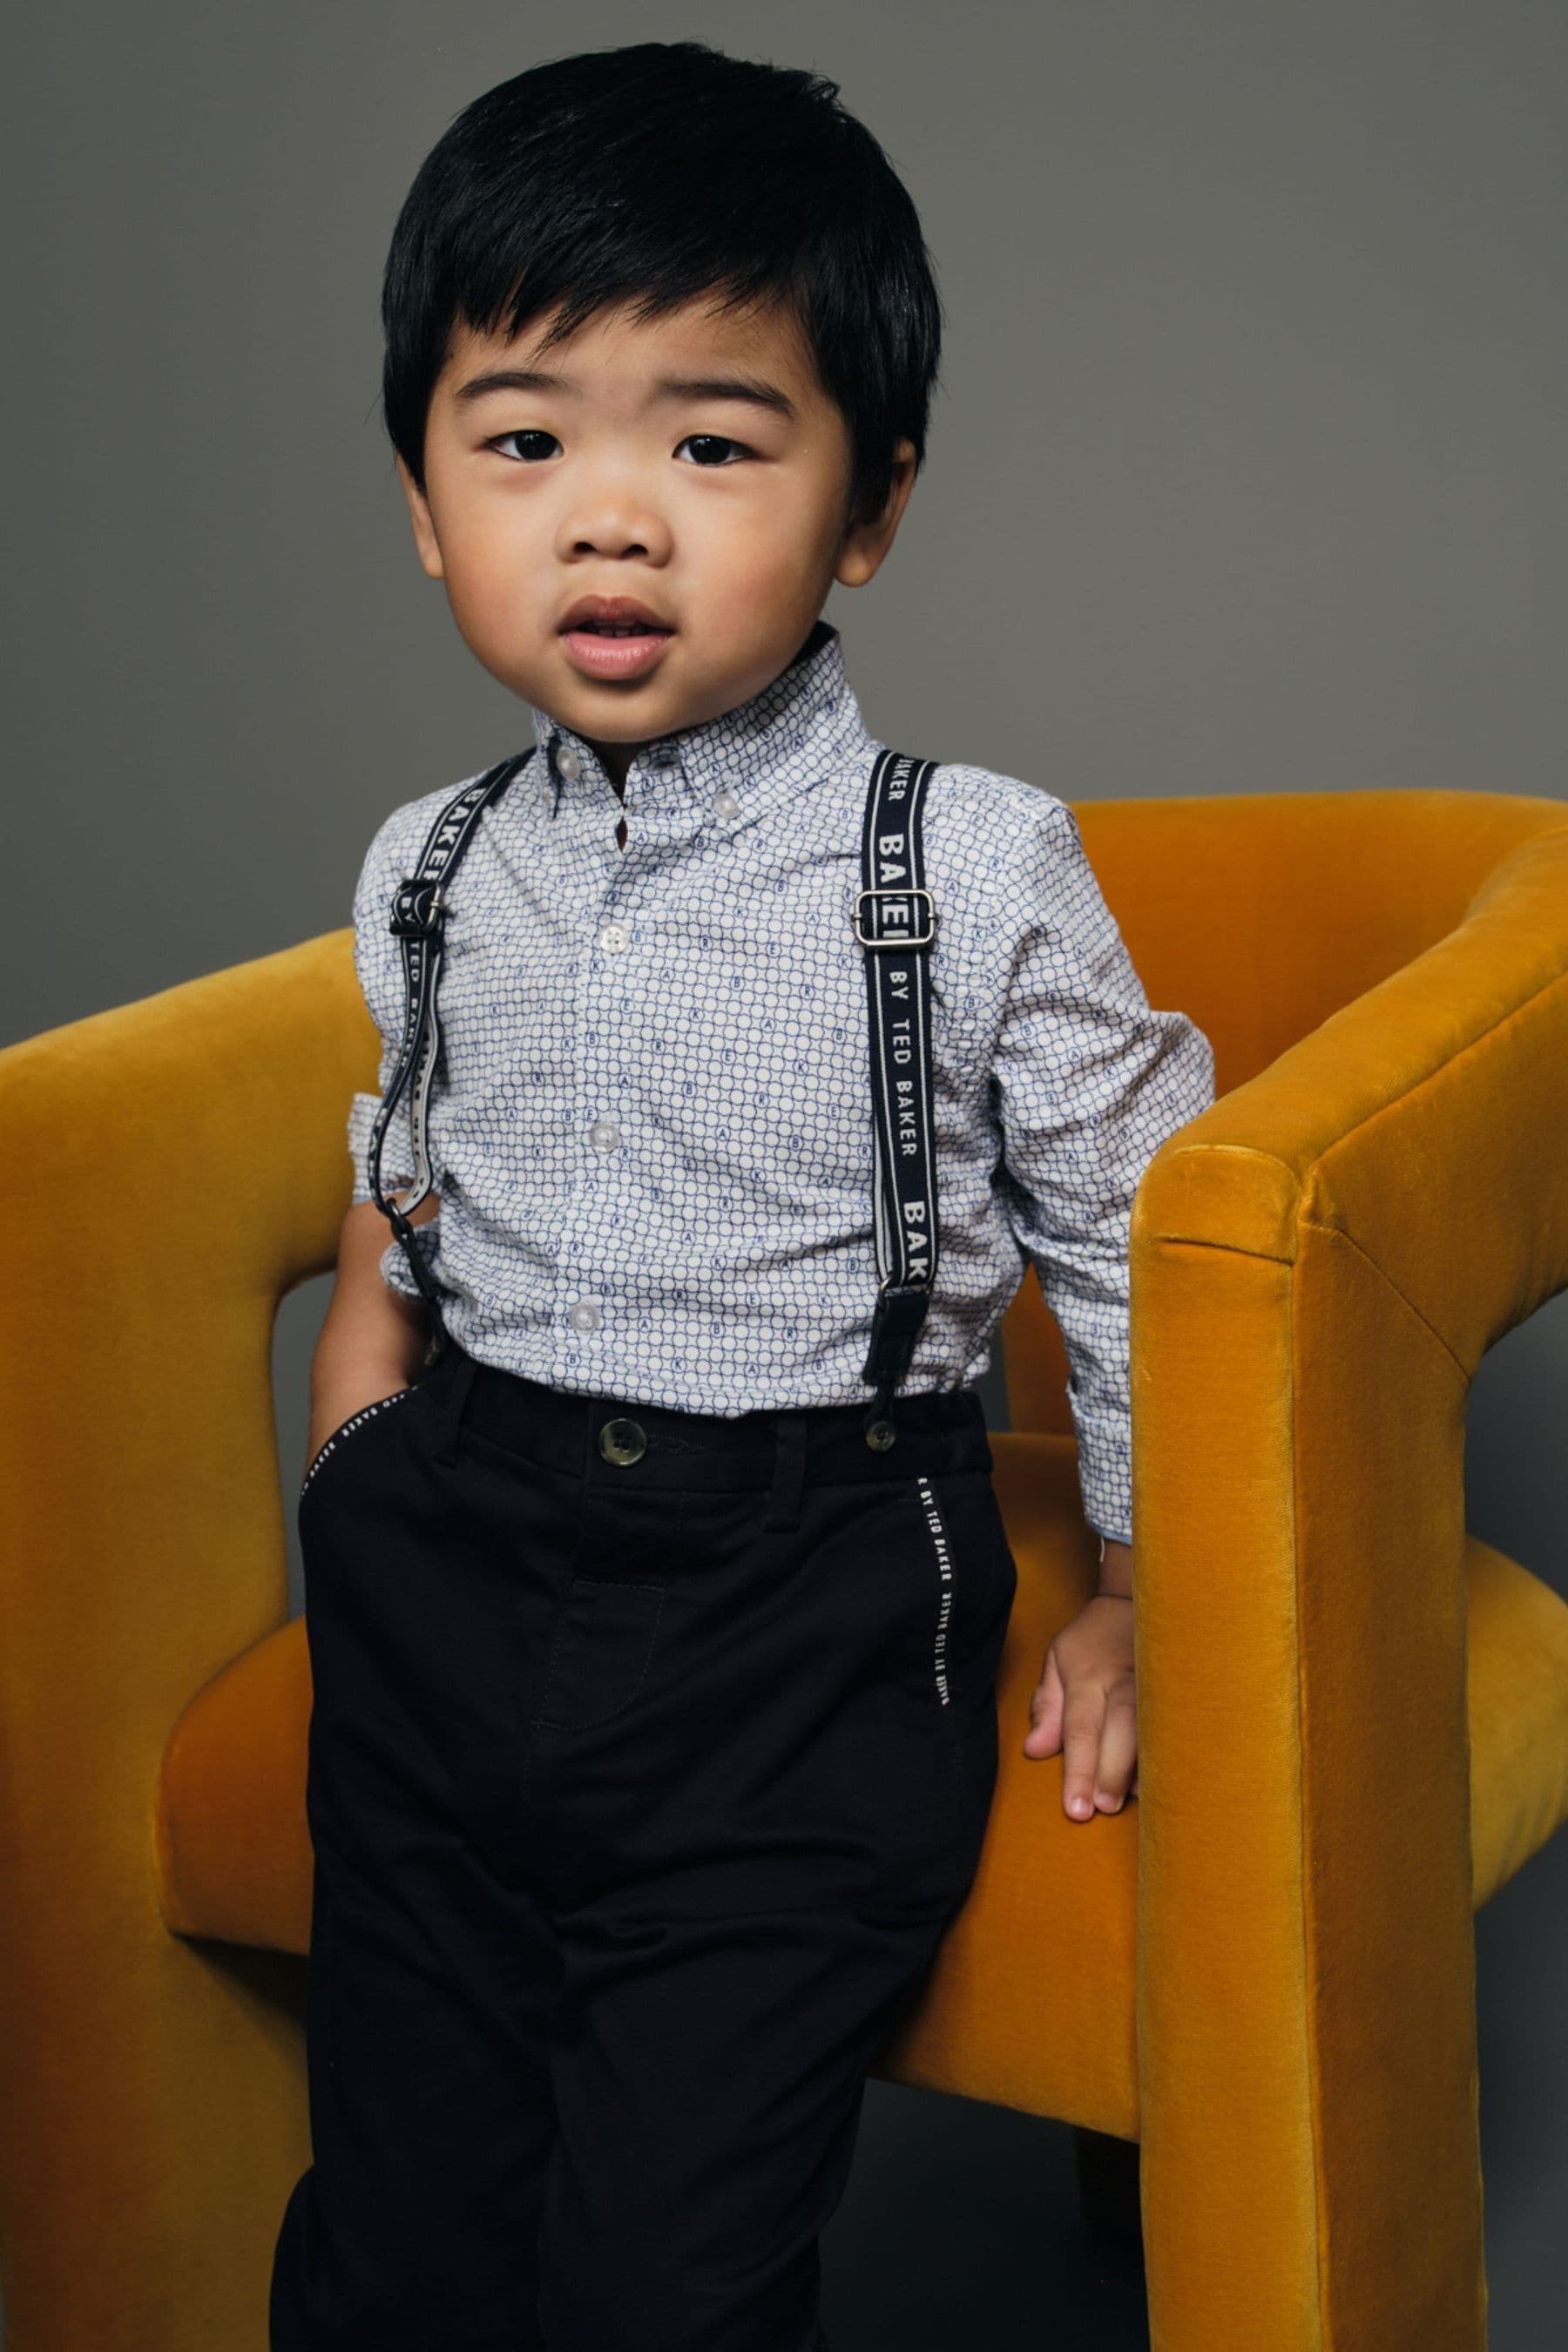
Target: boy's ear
x: 866, y: 542
x: 425, y: 538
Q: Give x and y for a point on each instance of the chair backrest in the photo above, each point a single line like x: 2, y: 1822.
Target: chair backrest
x: 1260, y: 914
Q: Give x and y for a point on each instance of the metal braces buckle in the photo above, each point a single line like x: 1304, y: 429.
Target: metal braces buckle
x: 408, y: 922
x: 889, y: 890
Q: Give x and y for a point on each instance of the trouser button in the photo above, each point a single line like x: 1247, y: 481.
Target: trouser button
x: 622, y: 1441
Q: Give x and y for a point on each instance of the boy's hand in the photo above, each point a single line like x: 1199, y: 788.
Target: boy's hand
x: 1087, y: 1689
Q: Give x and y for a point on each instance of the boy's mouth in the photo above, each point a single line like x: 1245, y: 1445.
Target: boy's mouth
x: 615, y: 617
x: 614, y: 636
x: 623, y: 628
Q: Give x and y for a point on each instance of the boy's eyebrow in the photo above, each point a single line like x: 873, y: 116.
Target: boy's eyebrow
x: 726, y: 387
x: 754, y: 389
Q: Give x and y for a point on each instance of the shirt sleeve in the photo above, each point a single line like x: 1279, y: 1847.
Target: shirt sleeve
x: 378, y: 962
x: 1088, y: 1082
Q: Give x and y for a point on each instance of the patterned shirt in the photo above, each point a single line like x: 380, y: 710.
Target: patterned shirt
x: 651, y: 1129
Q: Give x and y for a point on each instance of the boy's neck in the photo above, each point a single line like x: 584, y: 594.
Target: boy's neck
x: 617, y: 759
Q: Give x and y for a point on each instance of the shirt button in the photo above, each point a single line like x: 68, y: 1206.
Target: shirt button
x: 584, y: 1315
x: 603, y: 1135
x: 569, y: 765
x: 726, y: 804
x: 615, y: 936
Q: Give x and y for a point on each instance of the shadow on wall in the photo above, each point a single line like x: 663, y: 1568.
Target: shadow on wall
x: 1516, y: 1464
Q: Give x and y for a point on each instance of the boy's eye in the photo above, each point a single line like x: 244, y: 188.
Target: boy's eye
x: 708, y: 449
x: 528, y: 456
x: 706, y: 442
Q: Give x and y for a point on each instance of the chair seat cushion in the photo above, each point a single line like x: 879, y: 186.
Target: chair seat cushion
x: 1029, y: 2003
x: 1517, y: 1714
x: 232, y: 1841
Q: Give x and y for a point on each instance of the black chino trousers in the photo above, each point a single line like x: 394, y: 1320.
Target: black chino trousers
x: 650, y: 1755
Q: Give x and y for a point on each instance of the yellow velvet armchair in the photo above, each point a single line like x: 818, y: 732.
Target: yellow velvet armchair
x: 1257, y: 1979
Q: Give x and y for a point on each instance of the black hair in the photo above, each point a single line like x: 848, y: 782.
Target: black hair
x: 649, y: 175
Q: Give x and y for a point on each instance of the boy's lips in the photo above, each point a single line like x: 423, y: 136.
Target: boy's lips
x: 614, y: 636
x: 611, y: 657
x: 618, y: 611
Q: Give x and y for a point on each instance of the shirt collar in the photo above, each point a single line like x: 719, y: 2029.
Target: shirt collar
x: 803, y: 723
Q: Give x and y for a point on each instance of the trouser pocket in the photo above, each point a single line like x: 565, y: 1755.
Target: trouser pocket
x: 347, y: 1433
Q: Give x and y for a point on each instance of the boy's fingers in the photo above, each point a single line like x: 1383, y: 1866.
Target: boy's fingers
x: 1044, y: 1733
x: 1083, y: 1712
x: 1118, y: 1750
x: 1097, y: 1730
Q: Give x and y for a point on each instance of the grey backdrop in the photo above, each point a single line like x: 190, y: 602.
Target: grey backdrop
x: 1247, y: 474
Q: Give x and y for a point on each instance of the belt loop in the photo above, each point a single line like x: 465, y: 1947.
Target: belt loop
x: 452, y: 1405
x: 782, y: 1509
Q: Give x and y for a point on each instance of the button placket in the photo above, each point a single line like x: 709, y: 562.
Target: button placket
x: 613, y: 937
x: 570, y: 764
x: 583, y: 1314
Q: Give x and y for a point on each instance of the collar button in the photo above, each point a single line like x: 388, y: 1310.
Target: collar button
x: 726, y: 804
x: 569, y: 764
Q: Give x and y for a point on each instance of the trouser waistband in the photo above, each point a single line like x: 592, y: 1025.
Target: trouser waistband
x: 609, y: 1438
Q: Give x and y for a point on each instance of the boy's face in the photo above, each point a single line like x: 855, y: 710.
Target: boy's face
x: 635, y: 460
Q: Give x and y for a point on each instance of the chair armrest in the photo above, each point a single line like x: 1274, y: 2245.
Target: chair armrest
x: 1318, y: 1262
x: 182, y: 1163
x: 1438, y: 1095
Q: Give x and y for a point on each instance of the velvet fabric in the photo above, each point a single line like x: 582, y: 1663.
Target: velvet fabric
x: 1353, y: 1715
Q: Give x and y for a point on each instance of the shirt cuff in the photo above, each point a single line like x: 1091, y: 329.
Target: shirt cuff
x: 1105, y: 1476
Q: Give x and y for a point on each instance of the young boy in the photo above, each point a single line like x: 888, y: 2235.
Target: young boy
x: 654, y: 1733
